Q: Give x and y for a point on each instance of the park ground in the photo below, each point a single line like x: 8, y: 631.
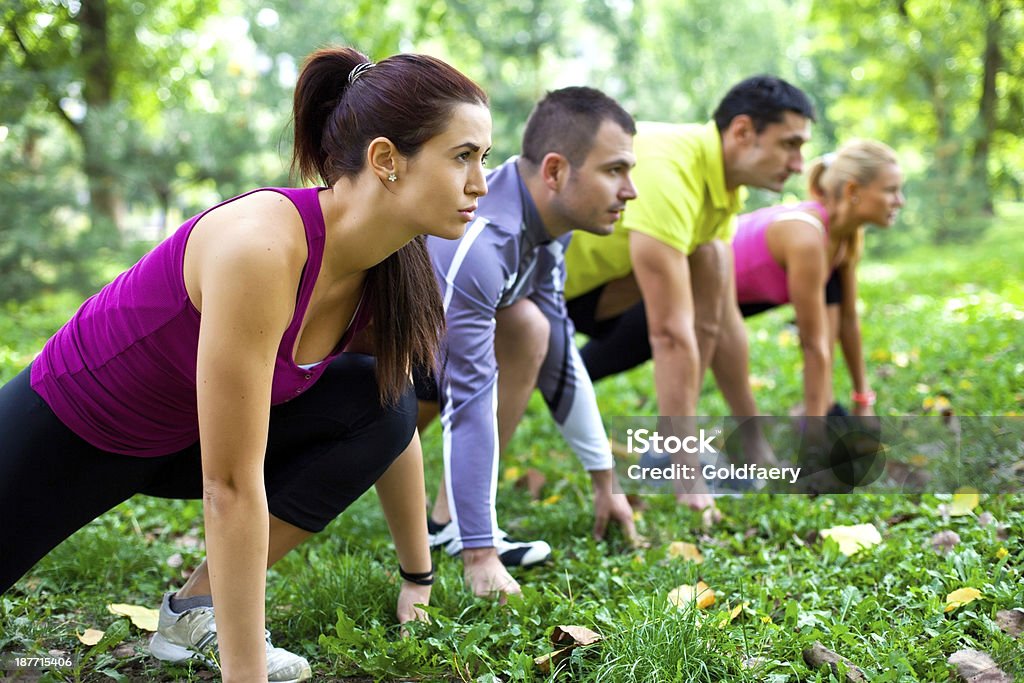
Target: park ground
x: 943, y: 331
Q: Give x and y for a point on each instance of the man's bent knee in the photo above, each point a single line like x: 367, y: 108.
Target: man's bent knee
x: 521, y: 334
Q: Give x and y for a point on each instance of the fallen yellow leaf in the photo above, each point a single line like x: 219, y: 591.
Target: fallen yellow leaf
x: 685, y: 551
x: 684, y: 596
x: 733, y: 613
x: 143, y: 617
x: 918, y: 460
x: 90, y: 637
x: 1001, y: 553
x: 964, y: 501
x: 961, y: 597
x: 853, y: 538
x: 511, y: 473
x: 551, y: 500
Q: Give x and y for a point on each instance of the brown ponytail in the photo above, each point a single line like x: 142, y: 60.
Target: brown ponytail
x: 408, y: 317
x: 408, y: 99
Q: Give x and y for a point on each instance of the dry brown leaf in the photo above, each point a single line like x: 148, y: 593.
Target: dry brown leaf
x: 900, y: 518
x: 945, y: 541
x: 685, y: 551
x: 818, y: 655
x: 123, y: 650
x: 974, y: 666
x: 90, y: 637
x: 578, y: 636
x: 1011, y: 621
x: 572, y: 637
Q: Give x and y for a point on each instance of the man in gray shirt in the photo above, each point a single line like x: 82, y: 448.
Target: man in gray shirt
x: 508, y: 330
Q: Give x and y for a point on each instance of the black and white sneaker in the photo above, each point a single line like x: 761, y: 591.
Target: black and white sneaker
x: 512, y: 553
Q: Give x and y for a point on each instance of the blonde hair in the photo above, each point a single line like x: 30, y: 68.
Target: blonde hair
x: 857, y: 161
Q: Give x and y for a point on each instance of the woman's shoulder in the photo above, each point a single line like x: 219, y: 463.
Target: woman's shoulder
x: 259, y: 229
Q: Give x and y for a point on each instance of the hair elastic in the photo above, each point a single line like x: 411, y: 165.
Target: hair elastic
x: 358, y: 71
x: 419, y: 578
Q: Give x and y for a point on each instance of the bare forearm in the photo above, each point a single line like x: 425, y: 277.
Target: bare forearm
x: 237, y: 537
x: 676, y: 370
x: 853, y: 353
x: 817, y: 379
x: 403, y: 500
x: 601, y: 481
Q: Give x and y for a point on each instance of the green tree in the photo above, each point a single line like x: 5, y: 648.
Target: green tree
x: 936, y: 73
x: 99, y: 66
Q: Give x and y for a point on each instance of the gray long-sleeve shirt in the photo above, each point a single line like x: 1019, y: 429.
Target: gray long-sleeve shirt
x: 506, y: 255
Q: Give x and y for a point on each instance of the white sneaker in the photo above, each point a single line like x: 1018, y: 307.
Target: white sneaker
x: 512, y: 553
x: 192, y: 634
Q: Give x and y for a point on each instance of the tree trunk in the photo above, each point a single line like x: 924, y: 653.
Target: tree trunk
x: 98, y: 91
x: 993, y: 61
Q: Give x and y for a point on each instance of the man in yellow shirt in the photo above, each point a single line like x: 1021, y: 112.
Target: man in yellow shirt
x: 662, y: 285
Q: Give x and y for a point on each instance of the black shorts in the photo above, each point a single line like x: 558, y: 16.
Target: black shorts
x: 833, y: 296
x: 324, y: 449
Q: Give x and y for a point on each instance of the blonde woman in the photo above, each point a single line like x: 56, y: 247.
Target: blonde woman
x: 807, y: 254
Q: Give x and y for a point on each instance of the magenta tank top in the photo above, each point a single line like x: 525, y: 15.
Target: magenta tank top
x: 121, y: 373
x: 759, y: 278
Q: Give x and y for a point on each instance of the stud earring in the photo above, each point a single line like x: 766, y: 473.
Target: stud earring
x: 392, y: 177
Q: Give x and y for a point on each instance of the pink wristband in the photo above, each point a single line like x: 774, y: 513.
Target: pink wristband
x: 865, y: 399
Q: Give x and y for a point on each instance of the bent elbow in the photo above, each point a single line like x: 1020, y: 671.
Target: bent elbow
x: 667, y: 341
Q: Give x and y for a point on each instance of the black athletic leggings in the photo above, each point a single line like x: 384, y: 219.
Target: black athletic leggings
x: 325, y: 449
x: 621, y: 343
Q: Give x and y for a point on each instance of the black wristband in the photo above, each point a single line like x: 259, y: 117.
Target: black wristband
x: 420, y: 579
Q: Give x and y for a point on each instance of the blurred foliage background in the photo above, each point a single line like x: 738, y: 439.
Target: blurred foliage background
x: 121, y: 118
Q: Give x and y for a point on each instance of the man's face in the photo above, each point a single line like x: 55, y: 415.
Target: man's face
x: 597, y: 190
x: 774, y: 154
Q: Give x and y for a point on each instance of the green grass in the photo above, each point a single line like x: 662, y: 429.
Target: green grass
x: 938, y: 322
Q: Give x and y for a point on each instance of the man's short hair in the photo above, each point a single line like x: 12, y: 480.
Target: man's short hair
x: 566, y: 122
x: 765, y: 99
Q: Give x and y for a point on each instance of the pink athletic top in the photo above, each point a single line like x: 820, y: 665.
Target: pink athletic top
x: 121, y: 373
x: 759, y: 277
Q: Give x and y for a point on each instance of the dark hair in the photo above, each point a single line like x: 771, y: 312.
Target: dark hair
x: 566, y: 122
x: 407, y: 99
x: 765, y: 99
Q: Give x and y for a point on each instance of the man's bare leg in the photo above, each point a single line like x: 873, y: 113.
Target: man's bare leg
x: 730, y: 365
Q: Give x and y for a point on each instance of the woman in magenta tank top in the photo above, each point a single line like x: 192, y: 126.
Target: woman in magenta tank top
x: 260, y: 357
x: 807, y: 254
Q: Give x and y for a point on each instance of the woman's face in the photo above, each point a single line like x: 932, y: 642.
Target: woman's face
x: 879, y: 201
x: 441, y: 183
